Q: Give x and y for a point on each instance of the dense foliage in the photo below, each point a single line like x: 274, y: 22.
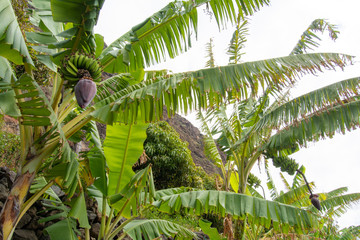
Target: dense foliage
x: 171, y: 159
x: 63, y: 40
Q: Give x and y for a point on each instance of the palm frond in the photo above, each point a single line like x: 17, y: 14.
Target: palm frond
x: 112, y: 85
x: 7, y: 95
x: 153, y: 228
x: 294, y: 195
x: 210, y: 54
x: 338, y: 205
x: 309, y: 38
x: 336, y: 192
x: 225, y: 10
x: 166, y: 33
x: 285, y: 182
x: 338, y: 118
x: 210, y: 147
x: 201, y: 89
x: 237, y: 42
x: 32, y: 102
x: 296, y: 109
x: 270, y: 183
x: 239, y: 206
x: 350, y: 233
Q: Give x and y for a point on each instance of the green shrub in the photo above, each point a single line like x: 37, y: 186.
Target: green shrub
x: 171, y: 160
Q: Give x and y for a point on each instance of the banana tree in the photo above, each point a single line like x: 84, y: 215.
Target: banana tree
x: 334, y: 204
x: 248, y: 133
x: 137, y: 195
x: 64, y: 42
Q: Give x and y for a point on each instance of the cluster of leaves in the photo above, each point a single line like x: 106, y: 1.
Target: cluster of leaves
x: 171, y: 160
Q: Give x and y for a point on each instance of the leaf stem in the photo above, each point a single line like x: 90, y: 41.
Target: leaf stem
x: 103, y: 219
x: 118, y: 229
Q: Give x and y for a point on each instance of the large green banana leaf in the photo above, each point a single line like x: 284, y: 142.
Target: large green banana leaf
x: 239, y: 206
x: 168, y: 32
x: 343, y: 91
x: 12, y: 42
x: 337, y: 119
x: 208, y: 87
x: 153, y: 228
x: 123, y: 146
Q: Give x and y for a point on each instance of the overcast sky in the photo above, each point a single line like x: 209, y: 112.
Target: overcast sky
x: 273, y: 32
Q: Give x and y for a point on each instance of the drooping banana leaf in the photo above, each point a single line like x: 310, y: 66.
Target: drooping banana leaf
x: 153, y: 228
x: 339, y: 118
x: 208, y: 87
x: 12, y: 42
x: 293, y: 110
x: 240, y: 206
x: 168, y: 33
x: 309, y: 38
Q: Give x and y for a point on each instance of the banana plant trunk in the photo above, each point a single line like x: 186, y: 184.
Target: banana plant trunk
x: 13, y: 205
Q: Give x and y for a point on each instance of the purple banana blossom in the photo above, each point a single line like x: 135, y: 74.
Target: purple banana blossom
x: 85, y: 91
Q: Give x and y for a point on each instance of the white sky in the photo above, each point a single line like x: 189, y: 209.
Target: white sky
x: 273, y: 32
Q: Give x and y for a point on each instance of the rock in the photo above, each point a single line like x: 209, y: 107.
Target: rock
x: 12, y: 177
x: 11, y: 125
x: 42, y: 236
x: 3, y: 181
x: 95, y: 229
x: 91, y: 216
x: 32, y: 211
x: 24, y: 234
x: 4, y: 192
x: 58, y: 191
x: 202, y: 235
x: 24, y: 221
x: 34, y: 224
x: 7, y: 177
x: 192, y: 135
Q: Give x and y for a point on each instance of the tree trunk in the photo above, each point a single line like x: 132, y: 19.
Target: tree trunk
x: 11, y: 209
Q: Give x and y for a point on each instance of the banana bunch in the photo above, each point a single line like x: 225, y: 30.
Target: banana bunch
x: 75, y: 62
x: 81, y: 71
x: 253, y: 180
x: 286, y: 164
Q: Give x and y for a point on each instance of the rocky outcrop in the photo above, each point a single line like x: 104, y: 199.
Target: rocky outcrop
x: 189, y: 133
